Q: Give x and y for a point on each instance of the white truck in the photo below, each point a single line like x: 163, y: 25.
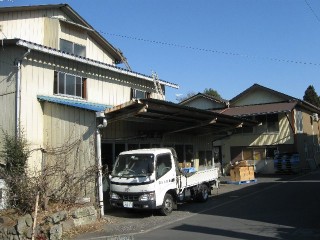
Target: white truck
x: 152, y: 179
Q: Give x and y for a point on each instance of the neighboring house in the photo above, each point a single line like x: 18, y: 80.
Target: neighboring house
x: 59, y: 79
x: 204, y: 101
x: 286, y: 125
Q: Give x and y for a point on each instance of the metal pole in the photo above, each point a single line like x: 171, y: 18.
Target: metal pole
x: 100, y: 187
x: 18, y: 97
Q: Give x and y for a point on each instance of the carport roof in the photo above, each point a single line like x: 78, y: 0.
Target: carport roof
x: 172, y: 118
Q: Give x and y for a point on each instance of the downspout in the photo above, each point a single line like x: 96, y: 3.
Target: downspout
x: 102, y: 123
x: 99, y: 162
x: 18, y: 63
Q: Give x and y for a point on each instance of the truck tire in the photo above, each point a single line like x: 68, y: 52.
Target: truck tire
x: 167, y: 205
x: 203, y: 193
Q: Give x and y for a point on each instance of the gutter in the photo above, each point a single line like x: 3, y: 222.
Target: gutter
x: 18, y: 63
x: 58, y: 53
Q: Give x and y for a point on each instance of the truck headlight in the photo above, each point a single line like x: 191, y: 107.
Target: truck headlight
x: 147, y: 197
x: 114, y: 196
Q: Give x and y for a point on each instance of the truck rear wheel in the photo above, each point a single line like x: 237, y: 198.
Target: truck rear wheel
x: 203, y: 193
x: 167, y: 205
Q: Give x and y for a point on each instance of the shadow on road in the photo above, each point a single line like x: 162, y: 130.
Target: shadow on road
x: 287, y: 205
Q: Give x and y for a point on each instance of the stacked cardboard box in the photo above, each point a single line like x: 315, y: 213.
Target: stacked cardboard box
x: 185, y: 165
x: 242, y: 173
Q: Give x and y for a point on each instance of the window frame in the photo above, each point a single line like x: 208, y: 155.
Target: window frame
x: 134, y: 94
x: 268, y: 126
x: 299, y: 121
x: 62, y: 80
x: 161, y: 173
x: 72, y: 48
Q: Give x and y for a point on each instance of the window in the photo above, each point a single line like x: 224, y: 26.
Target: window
x: 163, y: 165
x: 262, y: 127
x: 68, y: 84
x: 273, y: 123
x: 205, y: 158
x: 267, y: 123
x: 138, y: 94
x: 73, y: 48
x: 299, y: 122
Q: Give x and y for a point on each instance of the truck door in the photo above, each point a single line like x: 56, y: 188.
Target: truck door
x: 165, y: 176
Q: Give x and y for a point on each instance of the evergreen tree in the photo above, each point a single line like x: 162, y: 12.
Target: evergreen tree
x: 207, y: 91
x: 311, y: 96
x: 213, y: 93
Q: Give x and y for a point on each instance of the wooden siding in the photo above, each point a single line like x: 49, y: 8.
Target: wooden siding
x: 308, y: 140
x: 27, y: 25
x: 51, y: 32
x: 285, y: 136
x: 73, y: 33
x: 37, y: 77
x: 94, y: 51
x: 69, y: 137
x: 43, y: 27
x: 258, y: 97
x: 8, y: 74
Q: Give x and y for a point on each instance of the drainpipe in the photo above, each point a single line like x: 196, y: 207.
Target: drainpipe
x: 99, y: 162
x: 18, y: 63
x: 101, y: 118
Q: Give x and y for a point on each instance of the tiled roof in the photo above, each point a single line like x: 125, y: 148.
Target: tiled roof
x: 97, y: 107
x: 207, y: 96
x: 252, y: 110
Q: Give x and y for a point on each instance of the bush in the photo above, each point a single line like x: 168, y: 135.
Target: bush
x: 15, y: 155
x: 58, y: 181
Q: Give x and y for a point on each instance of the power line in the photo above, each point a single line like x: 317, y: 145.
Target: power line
x: 313, y: 12
x: 210, y: 50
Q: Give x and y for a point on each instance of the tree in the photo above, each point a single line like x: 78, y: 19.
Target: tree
x: 182, y: 98
x: 213, y: 93
x: 311, y: 96
x: 207, y: 91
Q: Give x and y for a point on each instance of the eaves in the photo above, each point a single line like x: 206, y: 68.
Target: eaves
x: 57, y: 53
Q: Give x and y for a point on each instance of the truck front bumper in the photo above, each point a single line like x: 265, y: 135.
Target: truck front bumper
x: 133, y: 200
x: 133, y: 204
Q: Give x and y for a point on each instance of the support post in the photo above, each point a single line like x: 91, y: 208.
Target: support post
x: 99, y: 162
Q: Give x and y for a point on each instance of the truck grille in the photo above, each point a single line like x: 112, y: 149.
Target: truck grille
x: 128, y: 197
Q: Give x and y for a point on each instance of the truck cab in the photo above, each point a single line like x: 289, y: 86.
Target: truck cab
x: 151, y: 179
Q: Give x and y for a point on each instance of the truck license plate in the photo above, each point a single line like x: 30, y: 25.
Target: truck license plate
x: 127, y: 204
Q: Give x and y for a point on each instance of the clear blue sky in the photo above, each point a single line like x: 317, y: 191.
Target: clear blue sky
x: 227, y: 45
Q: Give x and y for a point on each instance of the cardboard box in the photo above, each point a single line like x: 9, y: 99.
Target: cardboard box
x: 185, y: 165
x: 242, y: 173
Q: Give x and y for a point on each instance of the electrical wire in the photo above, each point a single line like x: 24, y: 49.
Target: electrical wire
x: 311, y: 9
x: 211, y: 50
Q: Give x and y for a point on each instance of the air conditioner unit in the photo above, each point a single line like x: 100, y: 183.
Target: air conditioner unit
x: 315, y: 117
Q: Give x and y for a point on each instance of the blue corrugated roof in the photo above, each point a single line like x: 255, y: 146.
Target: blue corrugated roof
x: 97, y: 107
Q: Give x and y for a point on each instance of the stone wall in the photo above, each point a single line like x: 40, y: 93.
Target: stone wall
x: 52, y: 228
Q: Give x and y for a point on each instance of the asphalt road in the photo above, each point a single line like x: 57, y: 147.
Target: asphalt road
x: 275, y: 207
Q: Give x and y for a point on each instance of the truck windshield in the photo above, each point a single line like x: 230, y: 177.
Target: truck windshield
x: 133, y: 165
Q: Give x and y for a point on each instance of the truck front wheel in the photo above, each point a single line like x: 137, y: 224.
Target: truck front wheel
x: 167, y: 205
x: 203, y: 193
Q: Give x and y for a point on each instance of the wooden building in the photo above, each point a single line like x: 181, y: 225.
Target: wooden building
x: 286, y: 126
x: 59, y: 78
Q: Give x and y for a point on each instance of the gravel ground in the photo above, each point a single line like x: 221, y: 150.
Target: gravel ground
x: 123, y: 224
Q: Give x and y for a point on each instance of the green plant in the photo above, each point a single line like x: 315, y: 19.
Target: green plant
x: 14, y: 155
